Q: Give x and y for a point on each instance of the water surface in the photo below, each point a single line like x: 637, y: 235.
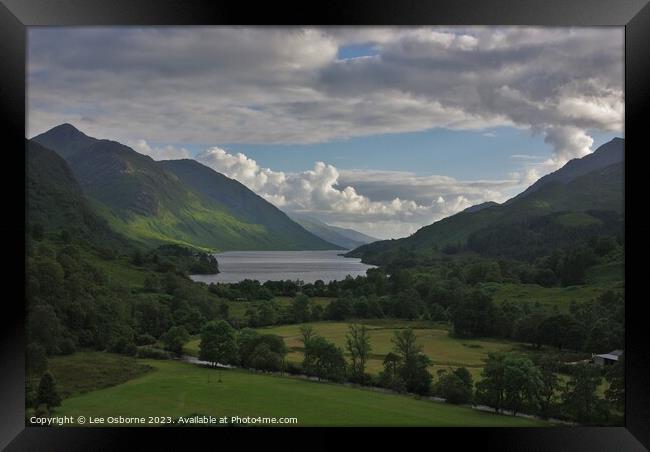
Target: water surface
x: 307, y: 266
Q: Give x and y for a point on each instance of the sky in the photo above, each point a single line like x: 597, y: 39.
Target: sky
x: 380, y: 129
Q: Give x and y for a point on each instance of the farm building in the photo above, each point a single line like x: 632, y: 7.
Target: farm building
x: 607, y: 358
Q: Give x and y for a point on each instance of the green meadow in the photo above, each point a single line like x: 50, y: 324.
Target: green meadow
x: 557, y: 298
x: 174, y: 388
x: 444, y: 350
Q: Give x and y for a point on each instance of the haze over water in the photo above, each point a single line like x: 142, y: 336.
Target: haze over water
x: 307, y: 266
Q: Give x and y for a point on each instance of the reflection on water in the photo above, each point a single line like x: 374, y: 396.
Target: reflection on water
x: 307, y: 266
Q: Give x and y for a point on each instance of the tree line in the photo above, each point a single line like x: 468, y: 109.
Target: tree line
x: 510, y: 382
x: 593, y: 326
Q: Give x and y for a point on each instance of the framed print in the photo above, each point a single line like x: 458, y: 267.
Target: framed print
x: 395, y: 221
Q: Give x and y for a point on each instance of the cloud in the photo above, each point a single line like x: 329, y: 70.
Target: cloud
x: 386, y: 204
x: 569, y: 142
x: 159, y: 153
x: 279, y: 85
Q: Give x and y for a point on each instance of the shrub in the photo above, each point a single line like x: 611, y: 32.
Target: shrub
x: 67, y: 346
x: 293, y: 368
x: 122, y: 346
x: 145, y: 339
x: 152, y: 353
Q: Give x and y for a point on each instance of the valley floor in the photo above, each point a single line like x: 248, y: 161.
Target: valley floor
x: 176, y: 389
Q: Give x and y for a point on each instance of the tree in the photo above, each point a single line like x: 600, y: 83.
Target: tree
x: 265, y: 352
x: 474, y: 316
x: 251, y: 314
x: 561, y: 331
x: 218, y: 343
x: 522, y: 383
x: 358, y: 345
x: 306, y: 333
x: 264, y: 359
x: 152, y: 317
x: 37, y: 232
x: 267, y: 314
x: 391, y: 363
x: 405, y: 345
x: 317, y: 312
x: 389, y: 377
x: 491, y: 389
x: 339, y: 309
x: 175, y: 338
x: 509, y: 381
x: 44, y: 327
x: 413, y: 364
x: 224, y: 310
x: 455, y: 387
x: 548, y: 367
x: 579, y: 396
x: 35, y: 359
x: 603, y: 335
x: 47, y: 392
x: 615, y: 394
x: 526, y: 329
x: 300, y: 309
x: 323, y: 359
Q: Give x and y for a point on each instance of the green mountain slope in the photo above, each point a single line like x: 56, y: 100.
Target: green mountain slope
x: 56, y: 202
x: 243, y: 203
x: 145, y: 202
x: 343, y: 237
x: 606, y: 155
x: 597, y: 189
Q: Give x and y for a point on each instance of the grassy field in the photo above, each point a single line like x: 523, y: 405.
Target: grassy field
x: 559, y: 298
x: 88, y: 371
x: 611, y: 272
x: 444, y: 350
x: 179, y: 389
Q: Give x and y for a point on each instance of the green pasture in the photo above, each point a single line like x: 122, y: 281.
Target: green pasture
x: 175, y: 389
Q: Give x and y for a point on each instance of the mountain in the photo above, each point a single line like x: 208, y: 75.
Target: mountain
x: 576, y: 195
x: 56, y: 202
x: 145, y: 201
x: 343, y: 237
x: 481, y: 206
x: 607, y: 154
x: 65, y: 139
x: 243, y: 203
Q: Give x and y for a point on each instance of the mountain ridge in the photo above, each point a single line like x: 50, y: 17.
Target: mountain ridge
x: 344, y: 237
x: 141, y: 199
x: 599, y: 189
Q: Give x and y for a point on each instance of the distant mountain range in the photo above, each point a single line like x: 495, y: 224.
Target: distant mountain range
x: 343, y: 237
x: 182, y: 202
x: 577, y: 195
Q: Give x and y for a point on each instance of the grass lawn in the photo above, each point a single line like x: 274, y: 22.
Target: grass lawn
x: 89, y: 371
x: 180, y: 389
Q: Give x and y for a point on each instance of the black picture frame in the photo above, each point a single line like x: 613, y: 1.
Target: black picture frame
x: 16, y: 15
